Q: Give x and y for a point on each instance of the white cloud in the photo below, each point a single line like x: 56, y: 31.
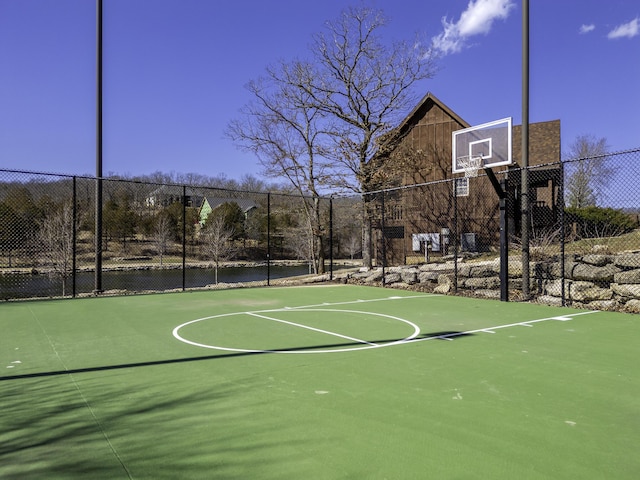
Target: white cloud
x: 587, y: 28
x: 628, y: 30
x: 477, y: 19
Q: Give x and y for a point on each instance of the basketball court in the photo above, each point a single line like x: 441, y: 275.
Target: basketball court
x: 316, y: 382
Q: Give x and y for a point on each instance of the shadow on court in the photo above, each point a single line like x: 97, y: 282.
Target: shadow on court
x: 444, y: 335
x: 51, y: 429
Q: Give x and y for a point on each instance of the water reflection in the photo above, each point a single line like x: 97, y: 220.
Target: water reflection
x: 28, y: 286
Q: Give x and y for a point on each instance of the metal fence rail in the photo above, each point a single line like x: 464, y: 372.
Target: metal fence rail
x: 447, y: 236
x: 584, y: 241
x: 156, y: 237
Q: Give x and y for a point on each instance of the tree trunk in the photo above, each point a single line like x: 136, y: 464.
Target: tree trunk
x: 320, y: 255
x: 367, y: 253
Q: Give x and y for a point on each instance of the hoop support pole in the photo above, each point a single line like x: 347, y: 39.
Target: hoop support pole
x: 496, y: 184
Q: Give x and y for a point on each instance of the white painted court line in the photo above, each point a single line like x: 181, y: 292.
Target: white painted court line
x: 364, y: 345
x: 351, y: 302
x: 492, y: 330
x: 335, y: 334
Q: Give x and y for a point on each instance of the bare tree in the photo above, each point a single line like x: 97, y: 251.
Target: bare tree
x: 587, y: 171
x: 365, y: 86
x: 354, y: 244
x: 283, y: 129
x: 321, y: 122
x: 218, y: 242
x: 300, y: 242
x: 162, y: 235
x: 56, y: 240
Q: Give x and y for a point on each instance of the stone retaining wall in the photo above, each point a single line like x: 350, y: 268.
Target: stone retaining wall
x: 598, y: 282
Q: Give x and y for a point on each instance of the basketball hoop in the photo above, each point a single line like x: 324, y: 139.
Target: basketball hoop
x: 470, y: 164
x: 489, y: 141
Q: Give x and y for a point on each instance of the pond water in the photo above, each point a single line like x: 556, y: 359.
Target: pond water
x: 29, y: 286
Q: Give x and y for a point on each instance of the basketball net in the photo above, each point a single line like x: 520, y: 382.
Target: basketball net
x: 470, y: 164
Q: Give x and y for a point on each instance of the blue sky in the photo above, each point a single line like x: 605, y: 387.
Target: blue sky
x: 175, y: 71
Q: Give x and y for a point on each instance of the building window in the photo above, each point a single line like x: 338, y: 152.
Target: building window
x: 462, y: 187
x: 396, y: 212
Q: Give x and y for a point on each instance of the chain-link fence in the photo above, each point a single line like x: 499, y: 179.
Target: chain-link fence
x: 159, y: 237
x: 464, y: 235
x: 461, y: 235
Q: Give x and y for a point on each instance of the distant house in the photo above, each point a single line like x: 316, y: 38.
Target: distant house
x: 166, y: 195
x: 209, y: 204
x: 414, y: 215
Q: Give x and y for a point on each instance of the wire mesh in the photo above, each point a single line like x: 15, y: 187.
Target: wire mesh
x: 157, y: 236
x: 584, y: 241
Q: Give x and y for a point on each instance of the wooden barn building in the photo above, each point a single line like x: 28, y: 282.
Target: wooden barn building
x: 449, y: 210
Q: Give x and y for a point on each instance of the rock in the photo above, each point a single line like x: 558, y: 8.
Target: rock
x: 629, y: 276
x: 626, y: 290
x: 464, y: 270
x: 437, y: 267
x: 482, y: 283
x: 569, y: 265
x: 600, y: 248
x: 550, y: 300
x: 590, y: 273
x: 588, y: 292
x: 316, y: 279
x: 605, y: 305
x: 484, y: 269
x: 554, y: 288
x: 409, y: 275
x: 579, y: 291
x: 392, y: 278
x: 597, y: 260
x: 584, y: 284
x: 444, y: 284
x: 627, y: 260
x: 428, y: 277
x: 584, y: 271
x: 374, y: 276
x: 632, y: 306
x: 495, y: 294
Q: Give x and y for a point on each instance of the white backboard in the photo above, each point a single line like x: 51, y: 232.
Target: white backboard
x: 490, y: 141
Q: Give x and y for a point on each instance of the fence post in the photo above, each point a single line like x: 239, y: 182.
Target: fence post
x: 97, y: 288
x: 331, y: 238
x: 524, y: 184
x: 504, y: 241
x: 268, y: 237
x: 456, y: 236
x: 562, y: 234
x: 384, y: 246
x: 184, y: 237
x: 74, y: 240
x: 98, y: 211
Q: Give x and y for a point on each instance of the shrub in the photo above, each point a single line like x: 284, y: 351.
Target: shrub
x: 592, y: 221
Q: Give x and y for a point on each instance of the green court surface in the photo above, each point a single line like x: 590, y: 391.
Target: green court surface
x: 322, y: 382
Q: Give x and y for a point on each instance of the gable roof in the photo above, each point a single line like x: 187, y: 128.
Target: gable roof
x: 172, y: 190
x: 245, y: 204
x: 425, y: 104
x: 389, y: 141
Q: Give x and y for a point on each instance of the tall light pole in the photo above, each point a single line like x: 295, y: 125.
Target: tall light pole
x: 98, y: 211
x: 524, y: 182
